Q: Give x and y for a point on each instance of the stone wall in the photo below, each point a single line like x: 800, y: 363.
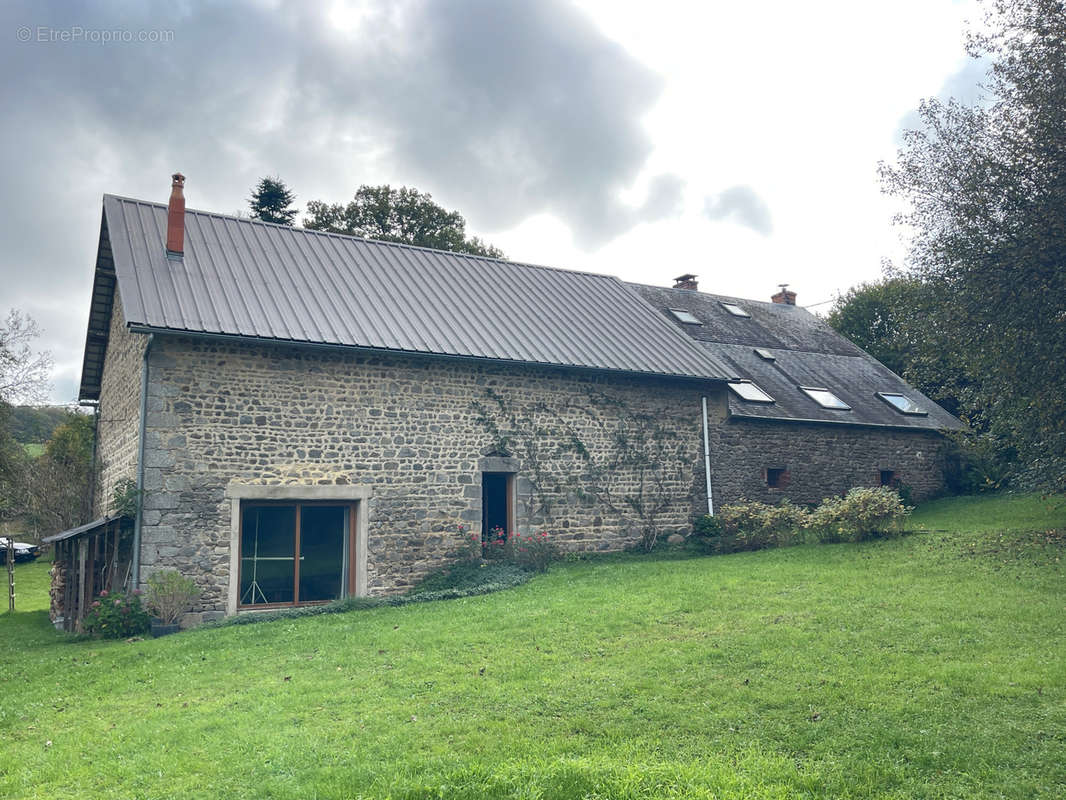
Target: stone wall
x: 413, y: 431
x: 820, y: 460
x: 118, y: 413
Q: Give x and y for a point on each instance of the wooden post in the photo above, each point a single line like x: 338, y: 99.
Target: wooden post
x: 10, y: 573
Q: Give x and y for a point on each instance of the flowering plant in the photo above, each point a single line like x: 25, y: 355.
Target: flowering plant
x: 495, y: 546
x: 532, y: 551
x: 116, y: 616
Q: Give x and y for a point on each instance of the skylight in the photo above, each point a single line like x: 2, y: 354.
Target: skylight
x: 764, y: 354
x: 825, y: 398
x: 685, y: 316
x: 902, y: 404
x: 750, y: 392
x: 734, y: 309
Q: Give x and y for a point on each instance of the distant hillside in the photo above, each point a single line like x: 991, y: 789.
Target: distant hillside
x: 35, y: 424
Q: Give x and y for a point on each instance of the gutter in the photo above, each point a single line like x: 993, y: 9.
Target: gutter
x: 135, y: 567
x: 707, y: 458
x: 734, y: 417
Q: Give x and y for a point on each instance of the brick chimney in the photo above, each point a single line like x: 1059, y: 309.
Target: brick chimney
x: 685, y: 282
x: 176, y: 217
x: 784, y: 297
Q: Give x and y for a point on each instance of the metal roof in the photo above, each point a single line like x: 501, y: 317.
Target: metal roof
x: 253, y: 279
x: 88, y: 527
x: 806, y: 352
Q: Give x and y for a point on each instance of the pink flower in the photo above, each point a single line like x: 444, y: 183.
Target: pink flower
x: 103, y: 593
x: 96, y: 604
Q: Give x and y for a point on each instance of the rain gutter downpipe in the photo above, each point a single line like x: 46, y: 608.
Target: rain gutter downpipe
x: 707, y: 458
x: 135, y: 569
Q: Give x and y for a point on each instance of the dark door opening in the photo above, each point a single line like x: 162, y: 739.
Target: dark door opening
x: 496, y: 517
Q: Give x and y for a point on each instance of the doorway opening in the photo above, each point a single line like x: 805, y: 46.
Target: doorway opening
x: 497, y: 507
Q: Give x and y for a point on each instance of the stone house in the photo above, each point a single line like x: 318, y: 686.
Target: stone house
x: 307, y: 415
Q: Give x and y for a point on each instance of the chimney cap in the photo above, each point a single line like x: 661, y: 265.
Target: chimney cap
x: 178, y: 178
x: 686, y: 281
x: 784, y: 297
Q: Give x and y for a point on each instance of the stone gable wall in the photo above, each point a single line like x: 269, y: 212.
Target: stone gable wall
x: 821, y: 460
x: 406, y: 427
x: 118, y: 413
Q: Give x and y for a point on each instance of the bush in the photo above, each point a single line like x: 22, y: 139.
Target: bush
x: 532, y: 551
x: 170, y: 595
x: 862, y: 513
x: 754, y: 526
x: 707, y: 527
x: 116, y: 616
x: 470, y: 549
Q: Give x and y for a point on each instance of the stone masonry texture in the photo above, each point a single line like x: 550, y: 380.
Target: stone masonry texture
x: 118, y: 412
x: 820, y: 460
x: 412, y: 430
x: 416, y: 433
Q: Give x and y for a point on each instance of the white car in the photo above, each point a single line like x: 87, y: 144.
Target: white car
x: 23, y: 551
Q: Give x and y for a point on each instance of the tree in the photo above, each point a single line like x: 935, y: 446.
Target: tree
x: 23, y: 376
x: 397, y: 215
x: 23, y: 373
x: 271, y: 201
x: 986, y: 188
x: 895, y: 320
x: 873, y: 315
x: 56, y: 491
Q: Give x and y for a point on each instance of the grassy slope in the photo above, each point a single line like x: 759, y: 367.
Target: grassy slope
x: 928, y: 666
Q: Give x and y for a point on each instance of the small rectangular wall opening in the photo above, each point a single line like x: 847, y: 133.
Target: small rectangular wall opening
x: 777, y: 477
x: 497, y: 506
x: 889, y: 478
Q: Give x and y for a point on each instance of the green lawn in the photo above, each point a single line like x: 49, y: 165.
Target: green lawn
x: 932, y: 665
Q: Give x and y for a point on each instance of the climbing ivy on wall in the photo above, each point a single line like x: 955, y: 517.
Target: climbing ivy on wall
x: 603, y: 451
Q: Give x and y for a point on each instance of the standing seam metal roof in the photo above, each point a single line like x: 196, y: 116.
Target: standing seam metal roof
x: 248, y: 278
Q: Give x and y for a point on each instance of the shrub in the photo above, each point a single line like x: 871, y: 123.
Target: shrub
x: 470, y: 549
x: 532, y: 551
x: 116, y: 616
x: 754, y: 525
x: 170, y: 595
x: 862, y: 513
x: 495, y: 547
x: 126, y: 499
x: 707, y: 527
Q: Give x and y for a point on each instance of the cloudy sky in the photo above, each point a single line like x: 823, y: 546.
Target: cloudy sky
x: 738, y: 141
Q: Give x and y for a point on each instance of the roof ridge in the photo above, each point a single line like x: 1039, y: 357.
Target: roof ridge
x: 726, y: 297
x: 385, y: 242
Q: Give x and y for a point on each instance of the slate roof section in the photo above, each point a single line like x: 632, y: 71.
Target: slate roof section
x: 252, y: 279
x: 806, y: 351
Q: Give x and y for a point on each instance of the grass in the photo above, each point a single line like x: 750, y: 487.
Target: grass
x: 931, y: 665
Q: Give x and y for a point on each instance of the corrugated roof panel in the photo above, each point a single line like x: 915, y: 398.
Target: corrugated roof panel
x: 248, y: 278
